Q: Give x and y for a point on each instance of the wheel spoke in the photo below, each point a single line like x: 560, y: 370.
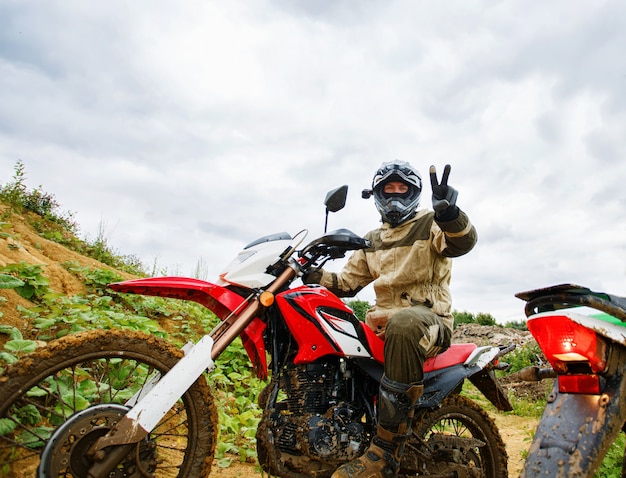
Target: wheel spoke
x: 46, y: 392
x: 456, y: 438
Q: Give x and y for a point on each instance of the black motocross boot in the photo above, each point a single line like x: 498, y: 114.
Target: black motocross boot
x: 396, y: 407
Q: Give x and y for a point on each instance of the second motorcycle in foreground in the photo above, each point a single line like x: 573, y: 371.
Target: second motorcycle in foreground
x: 583, y: 335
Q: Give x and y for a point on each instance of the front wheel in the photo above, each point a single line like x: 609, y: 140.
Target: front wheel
x: 458, y: 437
x: 75, y: 388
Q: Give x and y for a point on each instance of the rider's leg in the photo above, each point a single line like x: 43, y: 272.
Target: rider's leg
x: 411, y: 335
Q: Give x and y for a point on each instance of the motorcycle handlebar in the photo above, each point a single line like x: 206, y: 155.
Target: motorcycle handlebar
x: 333, y: 245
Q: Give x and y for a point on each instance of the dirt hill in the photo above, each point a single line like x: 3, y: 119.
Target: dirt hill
x: 20, y: 242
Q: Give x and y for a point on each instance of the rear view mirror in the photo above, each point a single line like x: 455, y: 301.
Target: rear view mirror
x: 336, y: 199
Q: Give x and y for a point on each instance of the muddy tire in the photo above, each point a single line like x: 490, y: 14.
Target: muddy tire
x: 438, y: 430
x: 44, y: 389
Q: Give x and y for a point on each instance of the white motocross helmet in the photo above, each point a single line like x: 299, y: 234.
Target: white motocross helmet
x: 397, y: 208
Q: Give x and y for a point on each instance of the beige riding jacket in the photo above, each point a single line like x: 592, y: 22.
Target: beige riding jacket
x: 409, y: 265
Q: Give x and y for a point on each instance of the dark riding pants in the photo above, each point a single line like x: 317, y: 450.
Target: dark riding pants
x: 411, y: 336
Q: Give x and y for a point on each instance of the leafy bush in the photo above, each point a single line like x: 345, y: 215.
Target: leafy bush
x: 525, y: 356
x: 47, y: 218
x: 34, y: 284
x: 37, y: 201
x: 611, y: 466
x: 516, y: 324
x: 468, y: 318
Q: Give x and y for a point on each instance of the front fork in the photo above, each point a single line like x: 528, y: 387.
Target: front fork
x: 576, y: 430
x: 152, y: 407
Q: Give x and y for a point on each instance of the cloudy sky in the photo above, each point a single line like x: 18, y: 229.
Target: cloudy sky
x: 184, y: 130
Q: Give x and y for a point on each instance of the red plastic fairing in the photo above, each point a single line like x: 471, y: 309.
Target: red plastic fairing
x: 456, y: 354
x: 252, y: 339
x: 376, y: 344
x: 299, y: 307
x: 218, y: 299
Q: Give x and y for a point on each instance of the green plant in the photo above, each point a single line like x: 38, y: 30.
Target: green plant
x: 96, y: 280
x: 35, y: 284
x: 516, y: 324
x: 15, y: 347
x: 237, y: 389
x: 359, y: 307
x: 525, y: 356
x: 465, y: 317
x: 14, y: 191
x: 10, y: 282
x: 37, y: 201
x: 611, y: 466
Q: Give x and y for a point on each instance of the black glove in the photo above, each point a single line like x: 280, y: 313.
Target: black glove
x: 444, y: 196
x: 312, y: 277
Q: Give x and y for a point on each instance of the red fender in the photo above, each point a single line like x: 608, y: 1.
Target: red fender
x: 218, y: 299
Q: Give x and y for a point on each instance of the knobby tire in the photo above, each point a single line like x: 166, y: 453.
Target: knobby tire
x: 460, y: 416
x: 43, y: 389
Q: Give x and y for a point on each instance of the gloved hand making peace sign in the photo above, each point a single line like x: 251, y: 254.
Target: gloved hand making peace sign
x: 444, y: 196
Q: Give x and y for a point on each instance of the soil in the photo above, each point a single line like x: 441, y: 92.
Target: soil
x: 20, y: 242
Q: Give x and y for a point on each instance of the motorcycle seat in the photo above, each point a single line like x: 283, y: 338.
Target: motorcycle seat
x: 456, y: 354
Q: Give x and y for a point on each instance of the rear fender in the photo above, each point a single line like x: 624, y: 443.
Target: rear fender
x: 575, y: 433
x: 486, y: 381
x: 218, y: 299
x: 478, y: 369
x: 576, y: 430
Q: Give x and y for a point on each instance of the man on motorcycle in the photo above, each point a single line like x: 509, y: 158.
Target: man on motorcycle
x: 409, y: 264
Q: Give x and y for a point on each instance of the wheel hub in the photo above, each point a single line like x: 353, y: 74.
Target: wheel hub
x: 67, y: 451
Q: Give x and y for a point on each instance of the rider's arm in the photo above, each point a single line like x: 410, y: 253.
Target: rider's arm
x: 354, y: 276
x: 454, y: 237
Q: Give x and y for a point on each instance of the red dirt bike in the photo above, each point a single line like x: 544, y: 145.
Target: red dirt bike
x: 145, y: 408
x: 583, y: 335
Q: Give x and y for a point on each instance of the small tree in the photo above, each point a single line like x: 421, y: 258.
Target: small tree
x: 463, y: 317
x: 15, y: 191
x: 485, y: 319
x: 468, y: 318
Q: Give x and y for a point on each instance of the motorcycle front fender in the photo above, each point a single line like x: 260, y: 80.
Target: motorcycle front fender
x: 218, y: 299
x: 576, y: 431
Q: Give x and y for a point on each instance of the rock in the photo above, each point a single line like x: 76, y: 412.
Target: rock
x: 491, y: 335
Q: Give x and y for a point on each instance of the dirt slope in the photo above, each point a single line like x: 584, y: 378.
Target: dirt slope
x: 20, y: 242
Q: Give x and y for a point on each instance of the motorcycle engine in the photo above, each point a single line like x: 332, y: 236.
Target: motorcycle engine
x: 338, y: 437
x: 316, y: 420
x: 332, y: 436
